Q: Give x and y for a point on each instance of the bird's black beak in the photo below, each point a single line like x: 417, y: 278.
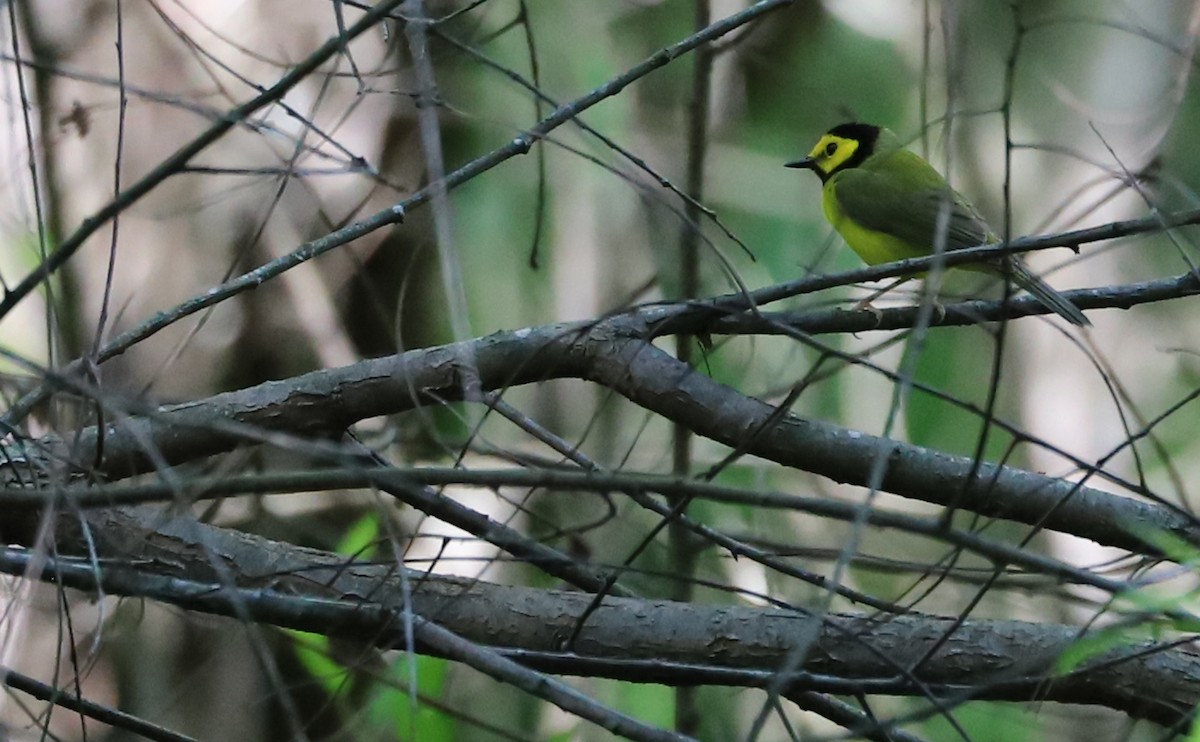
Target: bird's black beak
x: 809, y: 163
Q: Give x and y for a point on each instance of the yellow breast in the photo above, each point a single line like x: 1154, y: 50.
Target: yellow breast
x: 872, y: 246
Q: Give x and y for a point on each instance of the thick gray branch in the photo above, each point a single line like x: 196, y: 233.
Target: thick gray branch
x: 613, y: 354
x: 201, y: 567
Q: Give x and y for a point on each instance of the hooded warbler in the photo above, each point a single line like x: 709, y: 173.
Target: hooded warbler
x: 890, y: 204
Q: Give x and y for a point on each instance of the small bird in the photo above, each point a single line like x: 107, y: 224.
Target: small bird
x: 890, y: 204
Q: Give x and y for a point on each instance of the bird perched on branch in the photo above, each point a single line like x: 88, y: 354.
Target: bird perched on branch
x: 890, y: 204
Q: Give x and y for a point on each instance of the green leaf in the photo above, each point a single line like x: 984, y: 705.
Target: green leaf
x: 951, y: 362
x: 312, y: 651
x: 360, y: 537
x: 1096, y: 644
x: 653, y: 704
x: 401, y: 705
x: 987, y: 722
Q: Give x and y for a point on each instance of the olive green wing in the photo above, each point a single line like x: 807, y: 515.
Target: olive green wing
x: 903, y: 196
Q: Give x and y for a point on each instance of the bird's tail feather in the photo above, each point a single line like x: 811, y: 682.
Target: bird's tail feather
x: 1046, y: 295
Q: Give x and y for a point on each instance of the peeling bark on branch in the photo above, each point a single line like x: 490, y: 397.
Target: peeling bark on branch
x: 613, y: 353
x: 214, y: 570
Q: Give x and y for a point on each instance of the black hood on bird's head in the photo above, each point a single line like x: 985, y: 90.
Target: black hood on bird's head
x: 865, y: 134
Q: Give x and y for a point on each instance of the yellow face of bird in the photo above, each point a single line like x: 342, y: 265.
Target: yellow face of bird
x: 843, y: 147
x: 831, y: 153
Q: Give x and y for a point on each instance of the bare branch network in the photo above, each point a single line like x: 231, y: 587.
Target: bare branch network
x: 300, y: 589
x: 116, y: 502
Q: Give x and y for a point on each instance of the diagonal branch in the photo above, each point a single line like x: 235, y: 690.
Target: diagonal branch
x: 614, y: 354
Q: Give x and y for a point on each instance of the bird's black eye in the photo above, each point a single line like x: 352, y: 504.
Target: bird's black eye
x: 830, y: 149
